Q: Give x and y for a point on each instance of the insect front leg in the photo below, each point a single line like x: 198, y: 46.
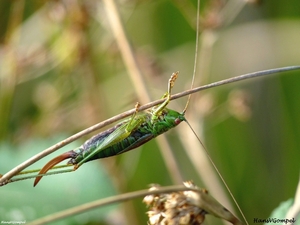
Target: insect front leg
x: 125, y: 130
x: 132, y: 122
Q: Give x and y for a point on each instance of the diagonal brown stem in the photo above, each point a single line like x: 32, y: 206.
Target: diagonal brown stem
x: 4, y: 179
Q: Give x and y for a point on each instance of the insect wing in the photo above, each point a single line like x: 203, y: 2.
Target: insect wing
x: 138, y: 143
x: 122, y: 132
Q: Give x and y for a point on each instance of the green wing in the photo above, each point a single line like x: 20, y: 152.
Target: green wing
x: 119, y: 134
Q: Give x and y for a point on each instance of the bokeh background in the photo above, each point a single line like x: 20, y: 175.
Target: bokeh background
x: 61, y: 71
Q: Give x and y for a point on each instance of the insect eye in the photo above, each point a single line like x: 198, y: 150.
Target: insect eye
x: 177, y: 121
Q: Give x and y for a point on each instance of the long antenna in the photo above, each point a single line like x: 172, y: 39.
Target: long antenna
x: 196, y: 54
x: 219, y: 173
x: 186, y: 106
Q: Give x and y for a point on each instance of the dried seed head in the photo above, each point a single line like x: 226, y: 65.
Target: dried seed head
x: 185, y: 207
x: 176, y: 208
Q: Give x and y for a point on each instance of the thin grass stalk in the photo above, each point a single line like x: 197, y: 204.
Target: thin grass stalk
x: 135, y: 74
x: 134, y: 71
x: 194, y: 149
x: 110, y: 200
x: 5, y: 178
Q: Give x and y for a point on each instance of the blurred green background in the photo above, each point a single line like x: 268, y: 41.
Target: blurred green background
x: 61, y: 71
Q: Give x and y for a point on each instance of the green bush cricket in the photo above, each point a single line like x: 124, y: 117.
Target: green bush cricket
x: 131, y: 133
x: 106, y: 140
x: 140, y: 128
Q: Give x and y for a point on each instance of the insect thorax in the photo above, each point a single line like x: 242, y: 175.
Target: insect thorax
x: 167, y: 120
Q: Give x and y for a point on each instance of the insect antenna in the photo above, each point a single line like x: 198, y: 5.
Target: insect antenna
x: 196, y: 54
x: 187, y: 104
x: 218, y: 172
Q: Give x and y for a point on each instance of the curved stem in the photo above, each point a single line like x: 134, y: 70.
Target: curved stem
x: 107, y: 201
x: 5, y: 178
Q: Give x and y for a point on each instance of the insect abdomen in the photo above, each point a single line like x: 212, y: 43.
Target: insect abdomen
x: 135, y: 139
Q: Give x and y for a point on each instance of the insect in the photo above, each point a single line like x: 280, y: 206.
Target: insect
x: 140, y: 128
x: 132, y: 131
